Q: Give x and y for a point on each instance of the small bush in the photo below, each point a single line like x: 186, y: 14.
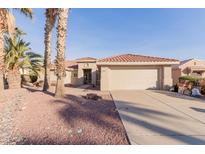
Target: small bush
x: 203, y: 90
x: 176, y: 88
x: 33, y: 78
x: 189, y: 78
x: 192, y: 80
x: 202, y: 85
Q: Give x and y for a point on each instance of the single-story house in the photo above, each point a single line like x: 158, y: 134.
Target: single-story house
x: 127, y: 71
x: 190, y: 67
x: 71, y: 73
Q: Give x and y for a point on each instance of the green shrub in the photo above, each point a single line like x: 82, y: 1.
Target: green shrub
x: 193, y: 81
x: 33, y: 78
x: 190, y: 79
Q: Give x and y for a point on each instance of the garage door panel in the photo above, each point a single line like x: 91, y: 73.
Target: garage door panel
x: 133, y: 79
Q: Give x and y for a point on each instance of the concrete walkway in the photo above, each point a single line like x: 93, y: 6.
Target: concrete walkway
x: 159, y: 117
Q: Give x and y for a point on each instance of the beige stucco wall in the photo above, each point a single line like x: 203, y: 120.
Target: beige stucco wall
x: 69, y: 79
x: 176, y: 73
x: 194, y: 62
x: 167, y: 77
x: 86, y: 65
x: 104, y: 78
x: 74, y: 77
x: 162, y: 75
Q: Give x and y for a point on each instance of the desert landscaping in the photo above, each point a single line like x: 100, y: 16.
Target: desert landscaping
x: 35, y: 117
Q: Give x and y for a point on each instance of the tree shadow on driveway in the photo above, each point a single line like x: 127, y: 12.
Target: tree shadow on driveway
x: 186, y: 139
x: 198, y: 109
x: 179, y: 96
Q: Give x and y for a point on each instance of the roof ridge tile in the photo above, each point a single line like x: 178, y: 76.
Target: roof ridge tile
x: 135, y: 58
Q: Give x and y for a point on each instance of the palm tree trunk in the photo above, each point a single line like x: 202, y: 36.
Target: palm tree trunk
x: 14, y: 79
x: 47, y: 56
x: 1, y: 62
x: 61, y: 40
x: 2, y: 29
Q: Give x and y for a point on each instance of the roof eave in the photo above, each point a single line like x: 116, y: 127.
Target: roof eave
x: 86, y: 61
x: 137, y: 63
x: 67, y: 69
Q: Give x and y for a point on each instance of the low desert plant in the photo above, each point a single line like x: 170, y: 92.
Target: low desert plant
x: 33, y: 78
x: 202, y: 85
x: 192, y: 81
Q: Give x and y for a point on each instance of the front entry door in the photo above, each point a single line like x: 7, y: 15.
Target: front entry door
x: 87, y: 74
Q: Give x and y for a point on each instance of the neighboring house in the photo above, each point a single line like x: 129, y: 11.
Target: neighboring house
x: 71, y: 73
x: 24, y: 71
x: 190, y: 67
x: 121, y: 72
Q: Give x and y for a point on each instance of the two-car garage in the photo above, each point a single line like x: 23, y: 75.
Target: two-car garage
x: 135, y: 72
x: 129, y: 78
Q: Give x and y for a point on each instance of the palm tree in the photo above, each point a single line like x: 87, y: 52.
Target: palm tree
x: 18, y: 56
x: 7, y: 24
x: 51, y: 15
x: 61, y: 40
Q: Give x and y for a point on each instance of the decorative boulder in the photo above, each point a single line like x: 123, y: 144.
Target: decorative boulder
x: 92, y: 96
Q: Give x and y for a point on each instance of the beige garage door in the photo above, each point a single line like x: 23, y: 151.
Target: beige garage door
x: 129, y: 79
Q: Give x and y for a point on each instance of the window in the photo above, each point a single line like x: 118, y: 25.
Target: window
x: 194, y: 63
x: 75, y: 75
x: 199, y: 73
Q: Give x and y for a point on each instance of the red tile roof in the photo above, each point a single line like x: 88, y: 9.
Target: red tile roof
x: 136, y: 58
x: 68, y: 64
x: 71, y: 64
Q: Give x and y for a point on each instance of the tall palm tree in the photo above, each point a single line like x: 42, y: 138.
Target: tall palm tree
x: 2, y: 18
x: 51, y: 15
x: 61, y: 40
x: 18, y: 56
x: 7, y: 24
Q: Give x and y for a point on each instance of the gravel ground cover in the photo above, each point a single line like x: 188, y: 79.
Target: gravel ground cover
x: 10, y: 103
x: 43, y: 119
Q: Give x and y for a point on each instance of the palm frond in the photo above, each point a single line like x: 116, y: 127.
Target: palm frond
x: 19, y: 32
x: 26, y: 11
x: 51, y: 15
x: 33, y: 55
x: 18, y: 54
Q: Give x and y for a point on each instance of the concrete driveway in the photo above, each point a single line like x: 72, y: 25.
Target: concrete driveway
x: 160, y: 117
